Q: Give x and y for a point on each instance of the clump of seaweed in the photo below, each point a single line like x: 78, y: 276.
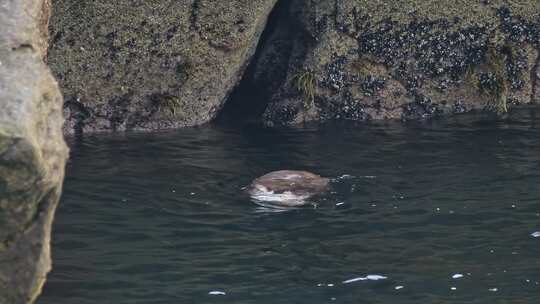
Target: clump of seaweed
x: 167, y: 102
x: 494, y: 82
x: 497, y: 85
x: 471, y: 77
x: 305, y: 82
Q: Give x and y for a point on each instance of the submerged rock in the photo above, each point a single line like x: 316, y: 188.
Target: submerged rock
x: 32, y: 151
x: 287, y: 187
x: 154, y: 65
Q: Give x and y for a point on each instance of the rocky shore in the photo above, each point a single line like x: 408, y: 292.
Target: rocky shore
x: 174, y: 64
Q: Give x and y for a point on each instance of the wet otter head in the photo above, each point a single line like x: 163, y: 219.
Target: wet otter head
x: 287, y: 187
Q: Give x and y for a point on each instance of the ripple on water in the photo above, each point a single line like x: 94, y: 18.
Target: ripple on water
x: 160, y: 218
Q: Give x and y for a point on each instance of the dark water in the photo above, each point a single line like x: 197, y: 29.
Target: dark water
x: 160, y: 218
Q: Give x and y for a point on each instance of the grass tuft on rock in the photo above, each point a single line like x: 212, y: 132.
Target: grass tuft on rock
x: 304, y: 81
x: 498, y: 87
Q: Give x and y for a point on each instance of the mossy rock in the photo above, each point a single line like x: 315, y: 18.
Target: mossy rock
x: 113, y: 59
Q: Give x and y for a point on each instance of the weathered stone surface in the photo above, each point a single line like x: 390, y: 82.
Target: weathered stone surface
x: 153, y: 65
x: 408, y: 59
x: 32, y: 151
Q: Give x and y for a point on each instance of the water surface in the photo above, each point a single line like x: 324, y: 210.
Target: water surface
x: 161, y: 218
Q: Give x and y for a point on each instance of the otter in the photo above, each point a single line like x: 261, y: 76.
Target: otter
x: 287, y: 188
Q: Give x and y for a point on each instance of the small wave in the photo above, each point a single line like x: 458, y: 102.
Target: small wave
x: 272, y: 209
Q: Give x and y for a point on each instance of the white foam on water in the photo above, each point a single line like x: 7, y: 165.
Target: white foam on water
x: 370, y: 277
x: 287, y: 198
x: 217, y: 293
x: 325, y: 285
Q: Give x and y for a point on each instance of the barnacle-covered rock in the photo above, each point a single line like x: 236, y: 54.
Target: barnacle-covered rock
x: 402, y: 59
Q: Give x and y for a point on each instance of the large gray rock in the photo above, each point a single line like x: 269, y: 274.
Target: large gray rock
x: 154, y: 65
x: 32, y: 151
x: 408, y: 59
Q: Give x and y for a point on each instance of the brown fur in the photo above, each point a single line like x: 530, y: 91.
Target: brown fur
x: 296, y: 182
